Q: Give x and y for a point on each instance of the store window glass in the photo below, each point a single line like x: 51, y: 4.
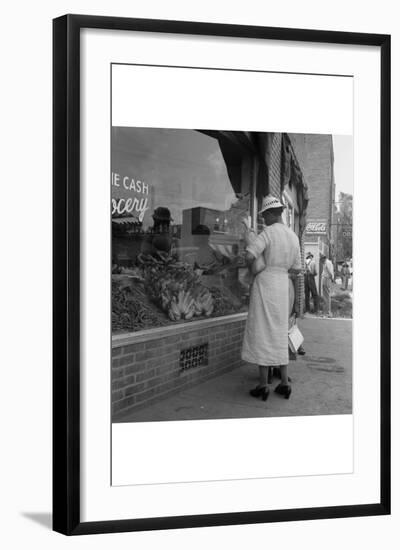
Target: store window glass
x: 178, y: 198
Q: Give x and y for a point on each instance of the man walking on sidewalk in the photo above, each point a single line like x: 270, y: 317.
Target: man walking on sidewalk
x: 309, y: 283
x: 328, y: 277
x: 345, y: 275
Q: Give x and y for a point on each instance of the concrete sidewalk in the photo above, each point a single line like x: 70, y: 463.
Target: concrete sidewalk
x: 321, y: 383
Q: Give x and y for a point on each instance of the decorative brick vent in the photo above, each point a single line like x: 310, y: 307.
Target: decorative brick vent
x: 193, y: 357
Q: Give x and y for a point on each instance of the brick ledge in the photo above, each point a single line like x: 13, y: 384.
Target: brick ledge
x: 119, y: 340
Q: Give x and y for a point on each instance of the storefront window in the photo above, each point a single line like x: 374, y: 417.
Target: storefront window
x: 178, y: 200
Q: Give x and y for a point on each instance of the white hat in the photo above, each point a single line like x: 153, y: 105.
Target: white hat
x: 270, y: 202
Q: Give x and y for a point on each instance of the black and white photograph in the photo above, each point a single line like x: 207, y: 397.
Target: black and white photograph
x: 232, y: 274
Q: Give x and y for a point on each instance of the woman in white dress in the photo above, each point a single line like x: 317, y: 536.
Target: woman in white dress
x: 271, y: 255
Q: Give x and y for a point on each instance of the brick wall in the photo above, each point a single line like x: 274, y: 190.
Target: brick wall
x: 314, y: 153
x: 146, y: 371
x: 274, y: 168
x: 315, y: 156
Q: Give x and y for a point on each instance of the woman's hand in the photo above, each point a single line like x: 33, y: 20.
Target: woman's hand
x: 246, y: 223
x: 249, y: 234
x: 249, y: 259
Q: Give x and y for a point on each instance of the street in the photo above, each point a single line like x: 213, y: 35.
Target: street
x: 321, y: 383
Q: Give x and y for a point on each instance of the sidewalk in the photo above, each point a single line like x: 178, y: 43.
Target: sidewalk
x: 321, y: 383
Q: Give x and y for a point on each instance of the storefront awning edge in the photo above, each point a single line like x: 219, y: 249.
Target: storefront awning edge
x: 119, y: 340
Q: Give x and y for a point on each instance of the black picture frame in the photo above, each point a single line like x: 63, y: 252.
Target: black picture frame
x: 66, y: 273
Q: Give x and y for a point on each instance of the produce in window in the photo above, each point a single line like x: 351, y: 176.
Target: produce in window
x: 130, y: 312
x: 203, y: 303
x: 175, y: 287
x: 181, y: 306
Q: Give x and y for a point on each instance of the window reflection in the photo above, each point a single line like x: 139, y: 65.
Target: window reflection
x: 178, y: 200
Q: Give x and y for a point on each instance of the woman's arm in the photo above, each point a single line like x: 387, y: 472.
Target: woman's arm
x: 255, y: 265
x: 255, y: 245
x: 296, y: 267
x: 249, y: 235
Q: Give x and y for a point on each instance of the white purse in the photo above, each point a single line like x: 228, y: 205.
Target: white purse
x: 295, y: 338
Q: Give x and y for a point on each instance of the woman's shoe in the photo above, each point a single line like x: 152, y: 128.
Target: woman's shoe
x: 283, y: 390
x: 265, y: 393
x: 260, y: 391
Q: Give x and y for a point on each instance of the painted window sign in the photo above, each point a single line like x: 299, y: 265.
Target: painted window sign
x: 137, y: 204
x: 316, y: 227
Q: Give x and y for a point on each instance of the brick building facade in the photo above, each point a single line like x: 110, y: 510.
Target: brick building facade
x: 315, y: 156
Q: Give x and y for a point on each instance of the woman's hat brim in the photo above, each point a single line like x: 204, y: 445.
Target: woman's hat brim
x: 272, y: 207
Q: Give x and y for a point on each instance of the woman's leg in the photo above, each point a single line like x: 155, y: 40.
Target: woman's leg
x: 284, y: 388
x: 284, y: 375
x: 263, y: 372
x: 262, y: 390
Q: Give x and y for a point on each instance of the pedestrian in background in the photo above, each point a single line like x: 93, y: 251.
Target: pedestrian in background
x: 309, y: 283
x: 327, y: 278
x: 265, y: 340
x: 345, y: 275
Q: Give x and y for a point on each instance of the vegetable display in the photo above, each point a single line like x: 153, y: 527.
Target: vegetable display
x: 160, y: 290
x: 130, y: 312
x: 223, y: 302
x: 176, y: 287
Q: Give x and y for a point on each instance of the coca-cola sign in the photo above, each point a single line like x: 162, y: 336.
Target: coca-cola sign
x: 316, y: 227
